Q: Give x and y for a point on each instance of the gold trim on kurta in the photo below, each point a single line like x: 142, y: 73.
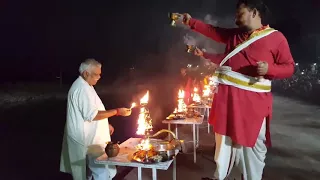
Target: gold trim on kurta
x: 242, y: 82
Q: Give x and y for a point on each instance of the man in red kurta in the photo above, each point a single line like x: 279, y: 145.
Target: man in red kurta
x: 243, y: 105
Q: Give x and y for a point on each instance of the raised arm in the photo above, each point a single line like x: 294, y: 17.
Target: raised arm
x: 221, y: 35
x: 283, y: 66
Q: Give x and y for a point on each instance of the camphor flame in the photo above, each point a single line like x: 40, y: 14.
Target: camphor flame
x: 143, y: 124
x: 182, y: 107
x: 145, y: 98
x: 181, y: 94
x: 133, y: 105
x: 144, y: 145
x: 196, y: 97
x: 206, y: 91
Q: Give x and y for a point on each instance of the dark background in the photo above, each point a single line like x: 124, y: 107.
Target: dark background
x: 41, y: 39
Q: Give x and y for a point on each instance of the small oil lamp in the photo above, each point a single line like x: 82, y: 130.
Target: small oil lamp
x: 190, y: 48
x: 174, y: 17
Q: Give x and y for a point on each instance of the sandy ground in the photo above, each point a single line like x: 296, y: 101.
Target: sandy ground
x: 295, y: 154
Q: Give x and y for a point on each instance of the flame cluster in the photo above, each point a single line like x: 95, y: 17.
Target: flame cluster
x: 144, y: 121
x: 144, y: 145
x: 182, y: 107
x: 206, y: 91
x: 196, y: 97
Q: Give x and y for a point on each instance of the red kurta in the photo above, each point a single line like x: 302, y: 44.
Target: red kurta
x: 240, y: 113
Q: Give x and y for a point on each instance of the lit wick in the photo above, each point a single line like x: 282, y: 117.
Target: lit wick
x: 133, y: 105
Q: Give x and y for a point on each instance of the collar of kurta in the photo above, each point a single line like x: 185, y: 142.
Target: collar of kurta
x: 247, y: 35
x: 84, y: 81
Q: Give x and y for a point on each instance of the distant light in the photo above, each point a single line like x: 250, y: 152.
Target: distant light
x: 189, y: 65
x: 198, y: 66
x: 297, y: 64
x: 302, y: 72
x: 314, y: 64
x: 201, y: 73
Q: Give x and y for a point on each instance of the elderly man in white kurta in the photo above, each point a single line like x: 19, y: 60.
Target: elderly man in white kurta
x: 87, y: 128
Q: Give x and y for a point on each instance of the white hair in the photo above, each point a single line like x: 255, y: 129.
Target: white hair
x: 88, y: 64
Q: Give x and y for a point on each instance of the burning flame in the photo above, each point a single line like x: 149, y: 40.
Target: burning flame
x: 211, y: 80
x: 196, y: 97
x: 133, y: 105
x: 182, y: 107
x: 206, y: 91
x: 145, y: 98
x: 143, y: 124
x: 181, y: 94
x: 144, y: 145
x: 195, y: 89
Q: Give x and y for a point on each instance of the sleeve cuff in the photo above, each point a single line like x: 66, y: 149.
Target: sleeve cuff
x: 271, y: 71
x: 92, y: 115
x: 192, y: 22
x: 206, y: 55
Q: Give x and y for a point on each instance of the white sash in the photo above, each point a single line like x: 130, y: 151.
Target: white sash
x: 242, y: 81
x: 225, y: 75
x: 246, y: 44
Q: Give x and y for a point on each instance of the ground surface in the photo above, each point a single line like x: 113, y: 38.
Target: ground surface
x: 295, y: 154
x: 33, y: 133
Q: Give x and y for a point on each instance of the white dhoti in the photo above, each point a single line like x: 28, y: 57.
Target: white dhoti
x: 239, y: 162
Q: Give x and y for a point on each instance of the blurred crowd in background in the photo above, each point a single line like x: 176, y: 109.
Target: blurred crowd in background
x: 305, y: 83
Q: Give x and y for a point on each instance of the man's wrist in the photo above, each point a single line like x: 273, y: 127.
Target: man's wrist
x: 191, y: 22
x: 117, y: 112
x: 187, y: 21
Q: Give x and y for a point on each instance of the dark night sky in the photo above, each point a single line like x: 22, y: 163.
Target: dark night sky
x: 38, y: 37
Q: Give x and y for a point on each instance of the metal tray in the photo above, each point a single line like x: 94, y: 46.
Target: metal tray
x: 151, y: 160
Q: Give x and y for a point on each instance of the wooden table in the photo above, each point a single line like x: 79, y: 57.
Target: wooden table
x: 204, y: 110
x: 124, y: 158
x: 195, y: 130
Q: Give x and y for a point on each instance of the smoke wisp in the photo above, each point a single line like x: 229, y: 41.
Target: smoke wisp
x: 211, y: 46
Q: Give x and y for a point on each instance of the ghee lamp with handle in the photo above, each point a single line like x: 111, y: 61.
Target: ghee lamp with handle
x: 190, y: 48
x: 167, y: 148
x: 174, y: 18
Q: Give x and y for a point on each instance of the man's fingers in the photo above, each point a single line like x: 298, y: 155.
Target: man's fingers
x: 261, y: 64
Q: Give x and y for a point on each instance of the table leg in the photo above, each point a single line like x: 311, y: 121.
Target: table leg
x: 139, y: 173
x: 194, y: 144
x: 169, y: 128
x: 198, y: 141
x: 154, y: 174
x: 207, y: 114
x: 174, y: 169
x: 177, y: 131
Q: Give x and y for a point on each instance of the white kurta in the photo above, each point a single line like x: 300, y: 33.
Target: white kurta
x: 84, y: 137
